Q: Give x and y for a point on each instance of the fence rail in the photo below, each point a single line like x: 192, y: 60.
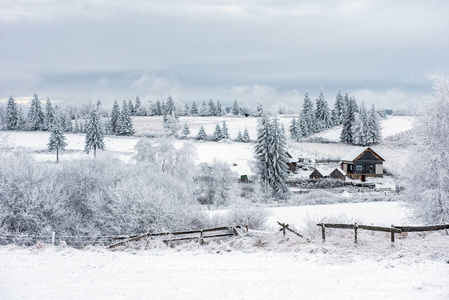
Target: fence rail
x: 393, y: 229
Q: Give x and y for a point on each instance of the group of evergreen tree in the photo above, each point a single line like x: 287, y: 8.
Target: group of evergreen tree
x: 360, y: 126
x: 121, y: 123
x: 243, y: 138
x: 221, y: 133
x: 271, y: 156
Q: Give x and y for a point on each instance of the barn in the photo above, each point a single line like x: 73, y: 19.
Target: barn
x: 362, y: 162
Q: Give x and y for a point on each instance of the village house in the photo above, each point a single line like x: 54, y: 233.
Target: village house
x: 334, y: 173
x: 362, y: 162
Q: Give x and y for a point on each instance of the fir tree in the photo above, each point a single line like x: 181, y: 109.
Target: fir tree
x: 158, y: 108
x: 186, y: 109
x: 217, y: 133
x: 11, y: 115
x: 203, y: 110
x: 36, y: 114
x: 20, y: 118
x: 186, y: 130
x: 57, y: 139
x: 194, y: 110
x: 212, y: 108
x: 170, y: 108
x: 201, y: 134
x: 263, y: 152
x: 94, y: 134
x: 294, y: 129
x: 279, y: 159
x: 131, y: 109
x: 346, y: 133
x: 365, y: 126
x: 245, y: 137
x: 374, y: 134
x: 125, y: 125
x: 49, y: 115
x: 339, y: 109
x: 259, y: 110
x: 239, y: 137
x: 308, y: 116
x: 221, y: 111
x: 76, y: 128
x: 322, y: 114
x: 357, y: 130
x: 115, y: 116
x: 137, y: 107
x: 224, y: 131
x: 235, y: 108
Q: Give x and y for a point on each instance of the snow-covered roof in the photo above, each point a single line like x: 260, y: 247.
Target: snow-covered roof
x: 291, y: 157
x: 354, y: 153
x: 340, y: 170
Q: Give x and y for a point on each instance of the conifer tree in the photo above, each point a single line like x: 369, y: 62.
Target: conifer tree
x: 224, y: 131
x: 158, y: 108
x: 322, y: 114
x: 263, y: 152
x: 339, y: 109
x: 245, y: 137
x: 308, y: 116
x: 186, y: 130
x: 11, y: 115
x: 365, y: 125
x: 131, y: 109
x: 186, y: 109
x: 194, y: 110
x: 76, y: 128
x: 259, y: 110
x: 374, y: 133
x: 235, y: 108
x: 49, y: 117
x: 94, y: 134
x: 201, y: 134
x: 294, y: 129
x: 125, y: 125
x: 279, y: 159
x: 20, y: 117
x: 217, y: 133
x: 137, y: 107
x: 36, y: 114
x: 57, y: 139
x: 346, y: 133
x: 170, y: 108
x: 221, y: 111
x: 212, y: 108
x: 239, y: 137
x: 203, y: 110
x: 115, y: 116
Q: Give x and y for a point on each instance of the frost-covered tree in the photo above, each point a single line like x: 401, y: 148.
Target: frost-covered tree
x: 171, y: 125
x: 157, y: 111
x: 308, y: 116
x: 194, y: 109
x: 322, y: 113
x: 357, y: 130
x: 170, y: 108
x: 201, y: 134
x: 212, y: 108
x: 263, y: 152
x: 115, y: 117
x: 428, y: 183
x: 217, y: 133
x: 94, y: 134
x: 245, y: 137
x: 338, y: 113
x: 130, y: 108
x: 20, y: 118
x: 11, y: 115
x: 235, y: 108
x: 239, y: 137
x: 185, y: 130
x: 57, y: 139
x: 259, y: 110
x: 221, y: 110
x: 374, y: 132
x: 224, y: 131
x: 36, y: 114
x: 295, y: 129
x: 124, y: 124
x: 346, y: 132
x: 279, y: 159
x: 186, y: 109
x: 49, y: 117
x: 203, y: 110
x: 137, y: 107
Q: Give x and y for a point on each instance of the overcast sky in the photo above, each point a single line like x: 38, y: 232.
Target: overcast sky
x: 252, y: 51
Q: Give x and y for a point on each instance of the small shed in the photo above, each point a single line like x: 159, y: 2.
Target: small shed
x: 292, y: 161
x: 316, y: 174
x: 362, y: 162
x: 338, y: 173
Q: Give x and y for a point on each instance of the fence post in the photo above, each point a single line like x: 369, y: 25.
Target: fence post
x: 323, y: 232
x: 392, y: 236
x: 355, y: 232
x: 53, y: 235
x: 201, y: 238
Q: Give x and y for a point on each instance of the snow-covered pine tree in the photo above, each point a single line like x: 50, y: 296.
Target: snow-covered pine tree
x: 186, y: 109
x: 194, y: 110
x: 428, y: 169
x: 224, y: 131
x: 49, y: 117
x: 245, y: 137
x: 374, y: 133
x: 322, y: 113
x: 57, y: 139
x: 308, y: 116
x: 203, y: 110
x: 157, y: 108
x: 186, y: 130
x: 170, y: 108
x: 365, y: 127
x: 124, y: 124
x: 294, y: 133
x: 36, y: 114
x: 11, y: 115
x: 65, y: 122
x: 220, y: 111
x: 346, y: 132
x: 339, y: 109
x: 263, y: 153
x: 235, y: 108
x: 115, y: 117
x: 137, y: 108
x: 212, y: 108
x: 217, y: 133
x: 94, y: 134
x: 201, y: 134
x: 279, y: 159
x: 131, y: 109
x: 239, y: 137
x: 357, y: 129
x: 76, y: 128
x: 163, y: 108
x: 20, y: 117
x: 259, y: 110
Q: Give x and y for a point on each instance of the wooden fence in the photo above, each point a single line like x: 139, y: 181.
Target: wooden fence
x: 393, y: 229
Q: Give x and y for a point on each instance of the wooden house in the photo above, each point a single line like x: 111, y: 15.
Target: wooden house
x: 338, y: 173
x: 292, y: 161
x: 362, y: 162
x: 335, y: 173
x: 316, y: 174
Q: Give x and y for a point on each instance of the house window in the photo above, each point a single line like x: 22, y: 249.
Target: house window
x: 358, y: 167
x: 350, y: 167
x: 371, y: 167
